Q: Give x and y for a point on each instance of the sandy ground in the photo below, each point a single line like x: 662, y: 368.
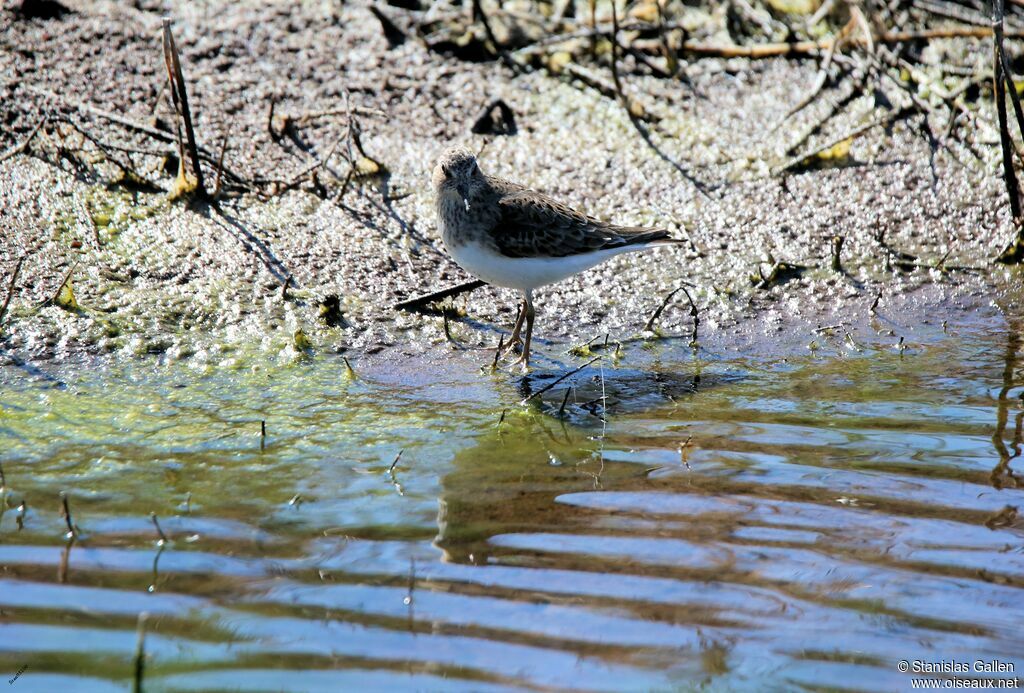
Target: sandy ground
x: 189, y: 280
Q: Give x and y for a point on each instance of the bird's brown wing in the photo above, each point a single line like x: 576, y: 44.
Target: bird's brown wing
x: 529, y: 224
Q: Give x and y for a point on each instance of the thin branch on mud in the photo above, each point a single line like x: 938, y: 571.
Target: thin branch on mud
x: 779, y: 271
x: 23, y: 145
x: 1003, y: 83
x: 220, y: 163
x: 87, y: 215
x: 766, y: 50
x: 416, y: 305
x: 304, y: 118
x: 798, y: 48
x: 10, y: 289
x: 179, y: 96
x: 694, y: 313
x: 363, y: 167
x: 803, y: 159
x: 602, y: 86
x: 274, y: 134
x: 635, y: 111
x: 820, y: 80
x: 143, y: 129
x: 312, y: 168
x: 616, y: 80
x: 478, y: 13
x: 671, y: 59
x: 128, y: 172
x: 649, y: 325
x: 856, y: 89
x: 593, y: 28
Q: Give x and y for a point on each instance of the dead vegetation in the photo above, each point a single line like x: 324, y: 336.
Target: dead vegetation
x: 861, y: 47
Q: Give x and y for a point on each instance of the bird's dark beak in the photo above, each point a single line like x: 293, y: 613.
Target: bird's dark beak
x: 463, y: 189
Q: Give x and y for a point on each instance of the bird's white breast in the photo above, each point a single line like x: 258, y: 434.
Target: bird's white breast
x: 521, y: 272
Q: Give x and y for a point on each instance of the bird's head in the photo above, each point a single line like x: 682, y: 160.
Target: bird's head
x: 457, y: 173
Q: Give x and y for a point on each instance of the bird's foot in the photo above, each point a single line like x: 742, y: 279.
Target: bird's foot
x: 514, y: 345
x: 523, y: 362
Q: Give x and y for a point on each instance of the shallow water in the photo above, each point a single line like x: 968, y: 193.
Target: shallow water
x: 726, y: 523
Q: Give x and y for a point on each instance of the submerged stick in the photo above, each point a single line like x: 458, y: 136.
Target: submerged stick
x: 497, y: 352
x: 412, y: 586
x: 159, y: 530
x: 140, y: 653
x: 391, y: 469
x: 565, y: 400
x: 65, y: 512
x: 550, y: 385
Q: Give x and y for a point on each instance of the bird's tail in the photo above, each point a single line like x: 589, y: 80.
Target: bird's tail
x: 645, y: 238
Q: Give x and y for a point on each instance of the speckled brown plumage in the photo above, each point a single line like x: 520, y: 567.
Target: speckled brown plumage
x: 511, y: 236
x: 529, y: 224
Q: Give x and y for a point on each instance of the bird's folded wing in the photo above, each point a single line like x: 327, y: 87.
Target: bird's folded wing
x: 532, y: 225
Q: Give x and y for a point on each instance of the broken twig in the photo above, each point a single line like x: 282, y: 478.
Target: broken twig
x: 23, y: 145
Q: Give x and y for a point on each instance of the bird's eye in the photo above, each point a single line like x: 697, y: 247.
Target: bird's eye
x: 446, y: 171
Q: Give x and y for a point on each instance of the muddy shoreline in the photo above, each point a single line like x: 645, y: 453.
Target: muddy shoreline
x: 192, y: 280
